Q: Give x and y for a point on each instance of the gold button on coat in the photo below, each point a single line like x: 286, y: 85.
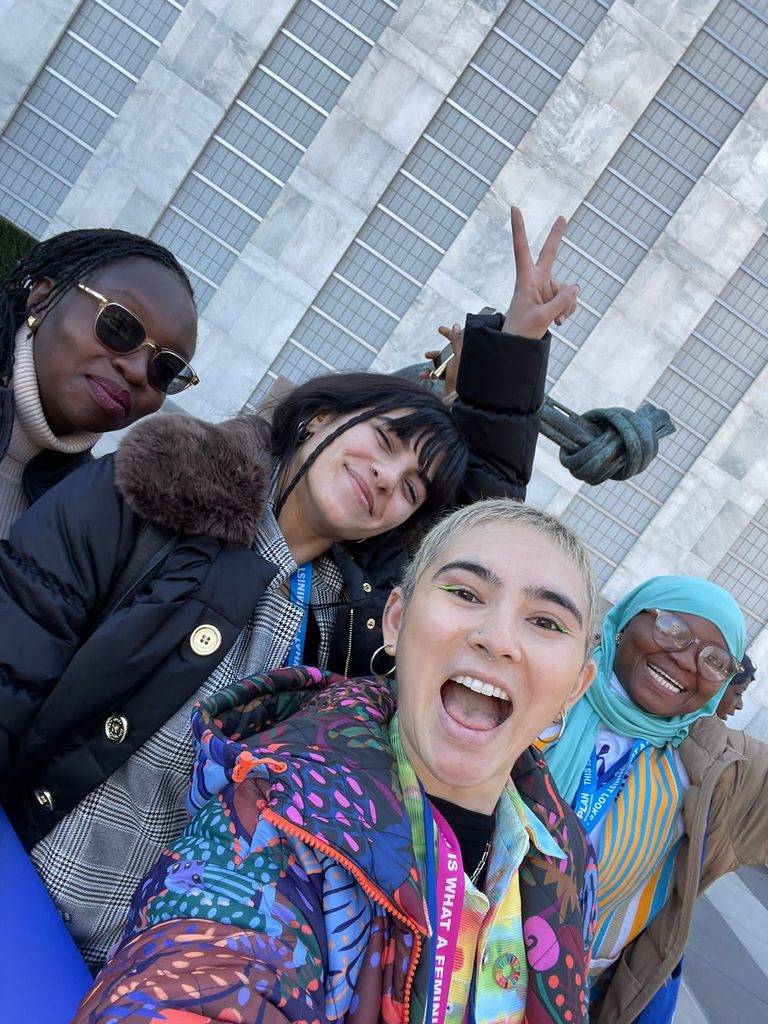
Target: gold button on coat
x: 371, y: 623
x: 116, y: 728
x: 44, y: 798
x: 205, y: 639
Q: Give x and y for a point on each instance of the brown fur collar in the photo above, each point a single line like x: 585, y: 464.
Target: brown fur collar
x: 198, y: 478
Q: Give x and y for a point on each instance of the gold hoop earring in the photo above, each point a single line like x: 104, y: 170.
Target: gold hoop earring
x: 375, y: 655
x: 562, y: 716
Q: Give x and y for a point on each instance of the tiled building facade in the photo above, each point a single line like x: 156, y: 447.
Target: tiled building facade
x: 336, y: 176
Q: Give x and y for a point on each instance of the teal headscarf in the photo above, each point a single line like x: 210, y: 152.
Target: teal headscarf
x: 568, y: 757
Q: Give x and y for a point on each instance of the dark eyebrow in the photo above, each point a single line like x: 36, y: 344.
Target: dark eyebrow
x: 481, y: 571
x: 556, y: 597
x: 537, y: 593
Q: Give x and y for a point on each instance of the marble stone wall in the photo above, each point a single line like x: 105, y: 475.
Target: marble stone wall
x: 36, y: 30
x: 209, y: 54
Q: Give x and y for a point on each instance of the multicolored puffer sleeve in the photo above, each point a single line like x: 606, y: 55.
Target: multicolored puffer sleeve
x: 229, y: 925
x: 194, y: 972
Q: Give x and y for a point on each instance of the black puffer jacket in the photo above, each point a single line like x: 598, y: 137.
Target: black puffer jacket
x: 79, y: 692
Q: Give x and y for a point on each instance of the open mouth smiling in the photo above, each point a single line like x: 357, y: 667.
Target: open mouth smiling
x: 475, y: 704
x: 665, y: 681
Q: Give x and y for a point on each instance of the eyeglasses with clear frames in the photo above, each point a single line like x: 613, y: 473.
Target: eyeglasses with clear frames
x: 671, y: 633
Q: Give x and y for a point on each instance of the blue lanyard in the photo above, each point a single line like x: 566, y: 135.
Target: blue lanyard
x: 595, y: 796
x: 300, y: 592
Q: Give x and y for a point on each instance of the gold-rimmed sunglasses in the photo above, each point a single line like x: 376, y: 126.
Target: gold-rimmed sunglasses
x: 121, y: 331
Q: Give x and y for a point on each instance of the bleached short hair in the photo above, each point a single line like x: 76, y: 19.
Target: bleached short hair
x: 503, y: 511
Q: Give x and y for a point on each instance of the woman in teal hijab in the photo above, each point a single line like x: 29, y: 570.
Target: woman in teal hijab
x: 657, y: 783
x: 600, y: 704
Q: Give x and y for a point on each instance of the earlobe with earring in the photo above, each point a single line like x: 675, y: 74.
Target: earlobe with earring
x: 386, y: 648
x: 302, y: 434
x: 32, y: 322
x: 619, y: 637
x: 562, y: 716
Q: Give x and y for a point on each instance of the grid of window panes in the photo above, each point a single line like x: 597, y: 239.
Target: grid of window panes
x: 710, y: 373
x: 72, y: 102
x: 464, y: 147
x: 266, y: 132
x: 659, y: 162
x: 744, y: 572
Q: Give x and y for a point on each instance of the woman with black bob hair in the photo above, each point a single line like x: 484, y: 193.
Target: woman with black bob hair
x: 427, y: 425
x: 76, y: 318
x: 272, y: 544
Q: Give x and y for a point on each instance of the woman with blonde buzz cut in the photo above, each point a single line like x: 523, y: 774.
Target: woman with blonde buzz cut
x: 387, y: 849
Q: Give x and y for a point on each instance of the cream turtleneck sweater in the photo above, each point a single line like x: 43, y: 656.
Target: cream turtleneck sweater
x: 31, y: 433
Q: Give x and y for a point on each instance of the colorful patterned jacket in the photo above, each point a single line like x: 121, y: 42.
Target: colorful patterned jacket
x: 293, y: 894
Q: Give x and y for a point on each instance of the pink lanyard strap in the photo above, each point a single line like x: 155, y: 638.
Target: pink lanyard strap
x: 445, y: 901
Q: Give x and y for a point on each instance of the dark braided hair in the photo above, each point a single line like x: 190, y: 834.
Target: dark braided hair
x: 428, y: 424
x: 66, y: 259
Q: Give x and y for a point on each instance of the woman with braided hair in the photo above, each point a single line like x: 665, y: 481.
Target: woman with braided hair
x: 96, y: 328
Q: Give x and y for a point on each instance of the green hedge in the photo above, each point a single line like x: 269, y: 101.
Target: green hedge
x: 14, y: 243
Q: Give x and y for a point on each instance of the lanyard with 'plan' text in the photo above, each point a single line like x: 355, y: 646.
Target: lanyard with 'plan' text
x: 595, y: 795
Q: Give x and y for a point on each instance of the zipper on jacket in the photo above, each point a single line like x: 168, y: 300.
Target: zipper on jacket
x: 368, y: 888
x: 246, y: 760
x: 349, y: 641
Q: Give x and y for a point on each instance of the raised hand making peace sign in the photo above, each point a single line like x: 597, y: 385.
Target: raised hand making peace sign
x: 537, y: 301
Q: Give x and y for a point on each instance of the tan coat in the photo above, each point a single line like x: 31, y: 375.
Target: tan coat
x: 728, y: 772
